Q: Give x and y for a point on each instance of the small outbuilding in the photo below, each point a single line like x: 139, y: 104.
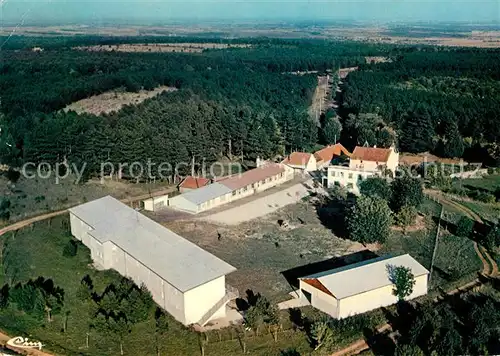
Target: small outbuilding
x: 155, y: 203
x: 360, y: 287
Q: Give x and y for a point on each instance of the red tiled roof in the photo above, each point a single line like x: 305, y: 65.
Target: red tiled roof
x: 253, y: 176
x: 371, y: 154
x: 327, y: 153
x: 297, y: 159
x: 194, y: 182
x: 318, y: 285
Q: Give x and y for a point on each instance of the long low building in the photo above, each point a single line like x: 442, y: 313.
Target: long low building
x: 360, y: 287
x: 185, y: 280
x: 233, y: 188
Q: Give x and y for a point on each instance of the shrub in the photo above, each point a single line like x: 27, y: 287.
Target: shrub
x: 464, y: 227
x: 486, y: 197
x: 13, y: 175
x: 70, y: 249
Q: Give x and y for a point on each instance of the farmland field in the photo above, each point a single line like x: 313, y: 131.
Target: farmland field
x: 161, y: 47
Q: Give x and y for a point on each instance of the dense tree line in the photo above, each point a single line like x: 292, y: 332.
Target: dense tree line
x: 433, y: 98
x: 234, y: 103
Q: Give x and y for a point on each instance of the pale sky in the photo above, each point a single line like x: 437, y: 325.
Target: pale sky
x: 124, y: 11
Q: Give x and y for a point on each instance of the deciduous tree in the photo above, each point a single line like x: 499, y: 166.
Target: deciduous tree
x: 369, y: 220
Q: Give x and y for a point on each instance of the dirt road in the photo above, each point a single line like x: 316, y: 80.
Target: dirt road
x: 261, y: 206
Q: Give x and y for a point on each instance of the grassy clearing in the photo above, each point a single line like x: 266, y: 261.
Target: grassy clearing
x: 489, y: 183
x: 261, y: 250
x: 114, y: 101
x: 36, y: 196
x: 489, y: 212
x: 455, y: 256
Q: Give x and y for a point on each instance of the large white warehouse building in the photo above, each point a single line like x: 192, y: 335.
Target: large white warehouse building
x: 185, y: 280
x: 360, y: 287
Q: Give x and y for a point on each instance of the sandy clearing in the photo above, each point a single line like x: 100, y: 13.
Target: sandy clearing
x: 113, y: 101
x: 261, y: 206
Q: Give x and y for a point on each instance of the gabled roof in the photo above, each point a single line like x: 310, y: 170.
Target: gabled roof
x: 298, y: 159
x: 194, y: 182
x: 371, y: 154
x: 363, y: 276
x: 175, y: 259
x: 253, y: 176
x: 326, y: 154
x: 206, y: 193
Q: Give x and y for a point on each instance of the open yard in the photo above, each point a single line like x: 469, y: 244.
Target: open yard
x: 114, y: 101
x: 269, y: 257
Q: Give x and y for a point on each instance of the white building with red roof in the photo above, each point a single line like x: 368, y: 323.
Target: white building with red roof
x: 301, y: 161
x: 365, y: 162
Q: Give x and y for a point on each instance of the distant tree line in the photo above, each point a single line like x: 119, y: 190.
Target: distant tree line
x: 439, y: 100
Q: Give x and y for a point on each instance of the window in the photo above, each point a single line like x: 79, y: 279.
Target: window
x: 332, y: 173
x: 245, y: 189
x: 342, y: 174
x: 263, y: 182
x: 350, y: 175
x: 349, y: 185
x: 360, y: 177
x: 253, y: 185
x: 234, y: 193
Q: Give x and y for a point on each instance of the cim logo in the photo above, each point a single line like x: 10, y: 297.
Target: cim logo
x: 24, y: 343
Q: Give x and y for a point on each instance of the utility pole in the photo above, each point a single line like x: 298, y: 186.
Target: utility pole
x: 436, y: 243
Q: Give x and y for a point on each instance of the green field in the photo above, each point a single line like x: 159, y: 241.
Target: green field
x: 489, y: 182
x: 455, y: 256
x: 489, y: 212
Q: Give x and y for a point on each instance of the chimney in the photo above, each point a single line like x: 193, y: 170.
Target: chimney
x: 257, y: 162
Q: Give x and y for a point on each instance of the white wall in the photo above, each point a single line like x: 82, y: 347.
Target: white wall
x: 79, y: 229
x: 320, y: 300
x: 392, y: 163
x: 164, y: 294
x: 180, y: 203
x: 347, y: 178
x: 377, y: 298
x: 199, y: 300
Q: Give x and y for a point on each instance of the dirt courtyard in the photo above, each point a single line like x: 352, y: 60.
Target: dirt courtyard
x: 260, y: 205
x: 261, y: 250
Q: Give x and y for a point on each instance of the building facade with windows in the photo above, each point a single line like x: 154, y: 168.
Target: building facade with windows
x: 365, y: 162
x: 349, y: 178
x: 266, y: 176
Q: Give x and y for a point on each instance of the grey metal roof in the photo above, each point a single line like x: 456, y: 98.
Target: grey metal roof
x: 204, y: 194
x: 175, y: 259
x: 364, y: 276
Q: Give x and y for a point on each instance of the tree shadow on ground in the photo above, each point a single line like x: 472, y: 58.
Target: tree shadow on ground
x: 379, y: 343
x: 292, y: 275
x: 332, y: 210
